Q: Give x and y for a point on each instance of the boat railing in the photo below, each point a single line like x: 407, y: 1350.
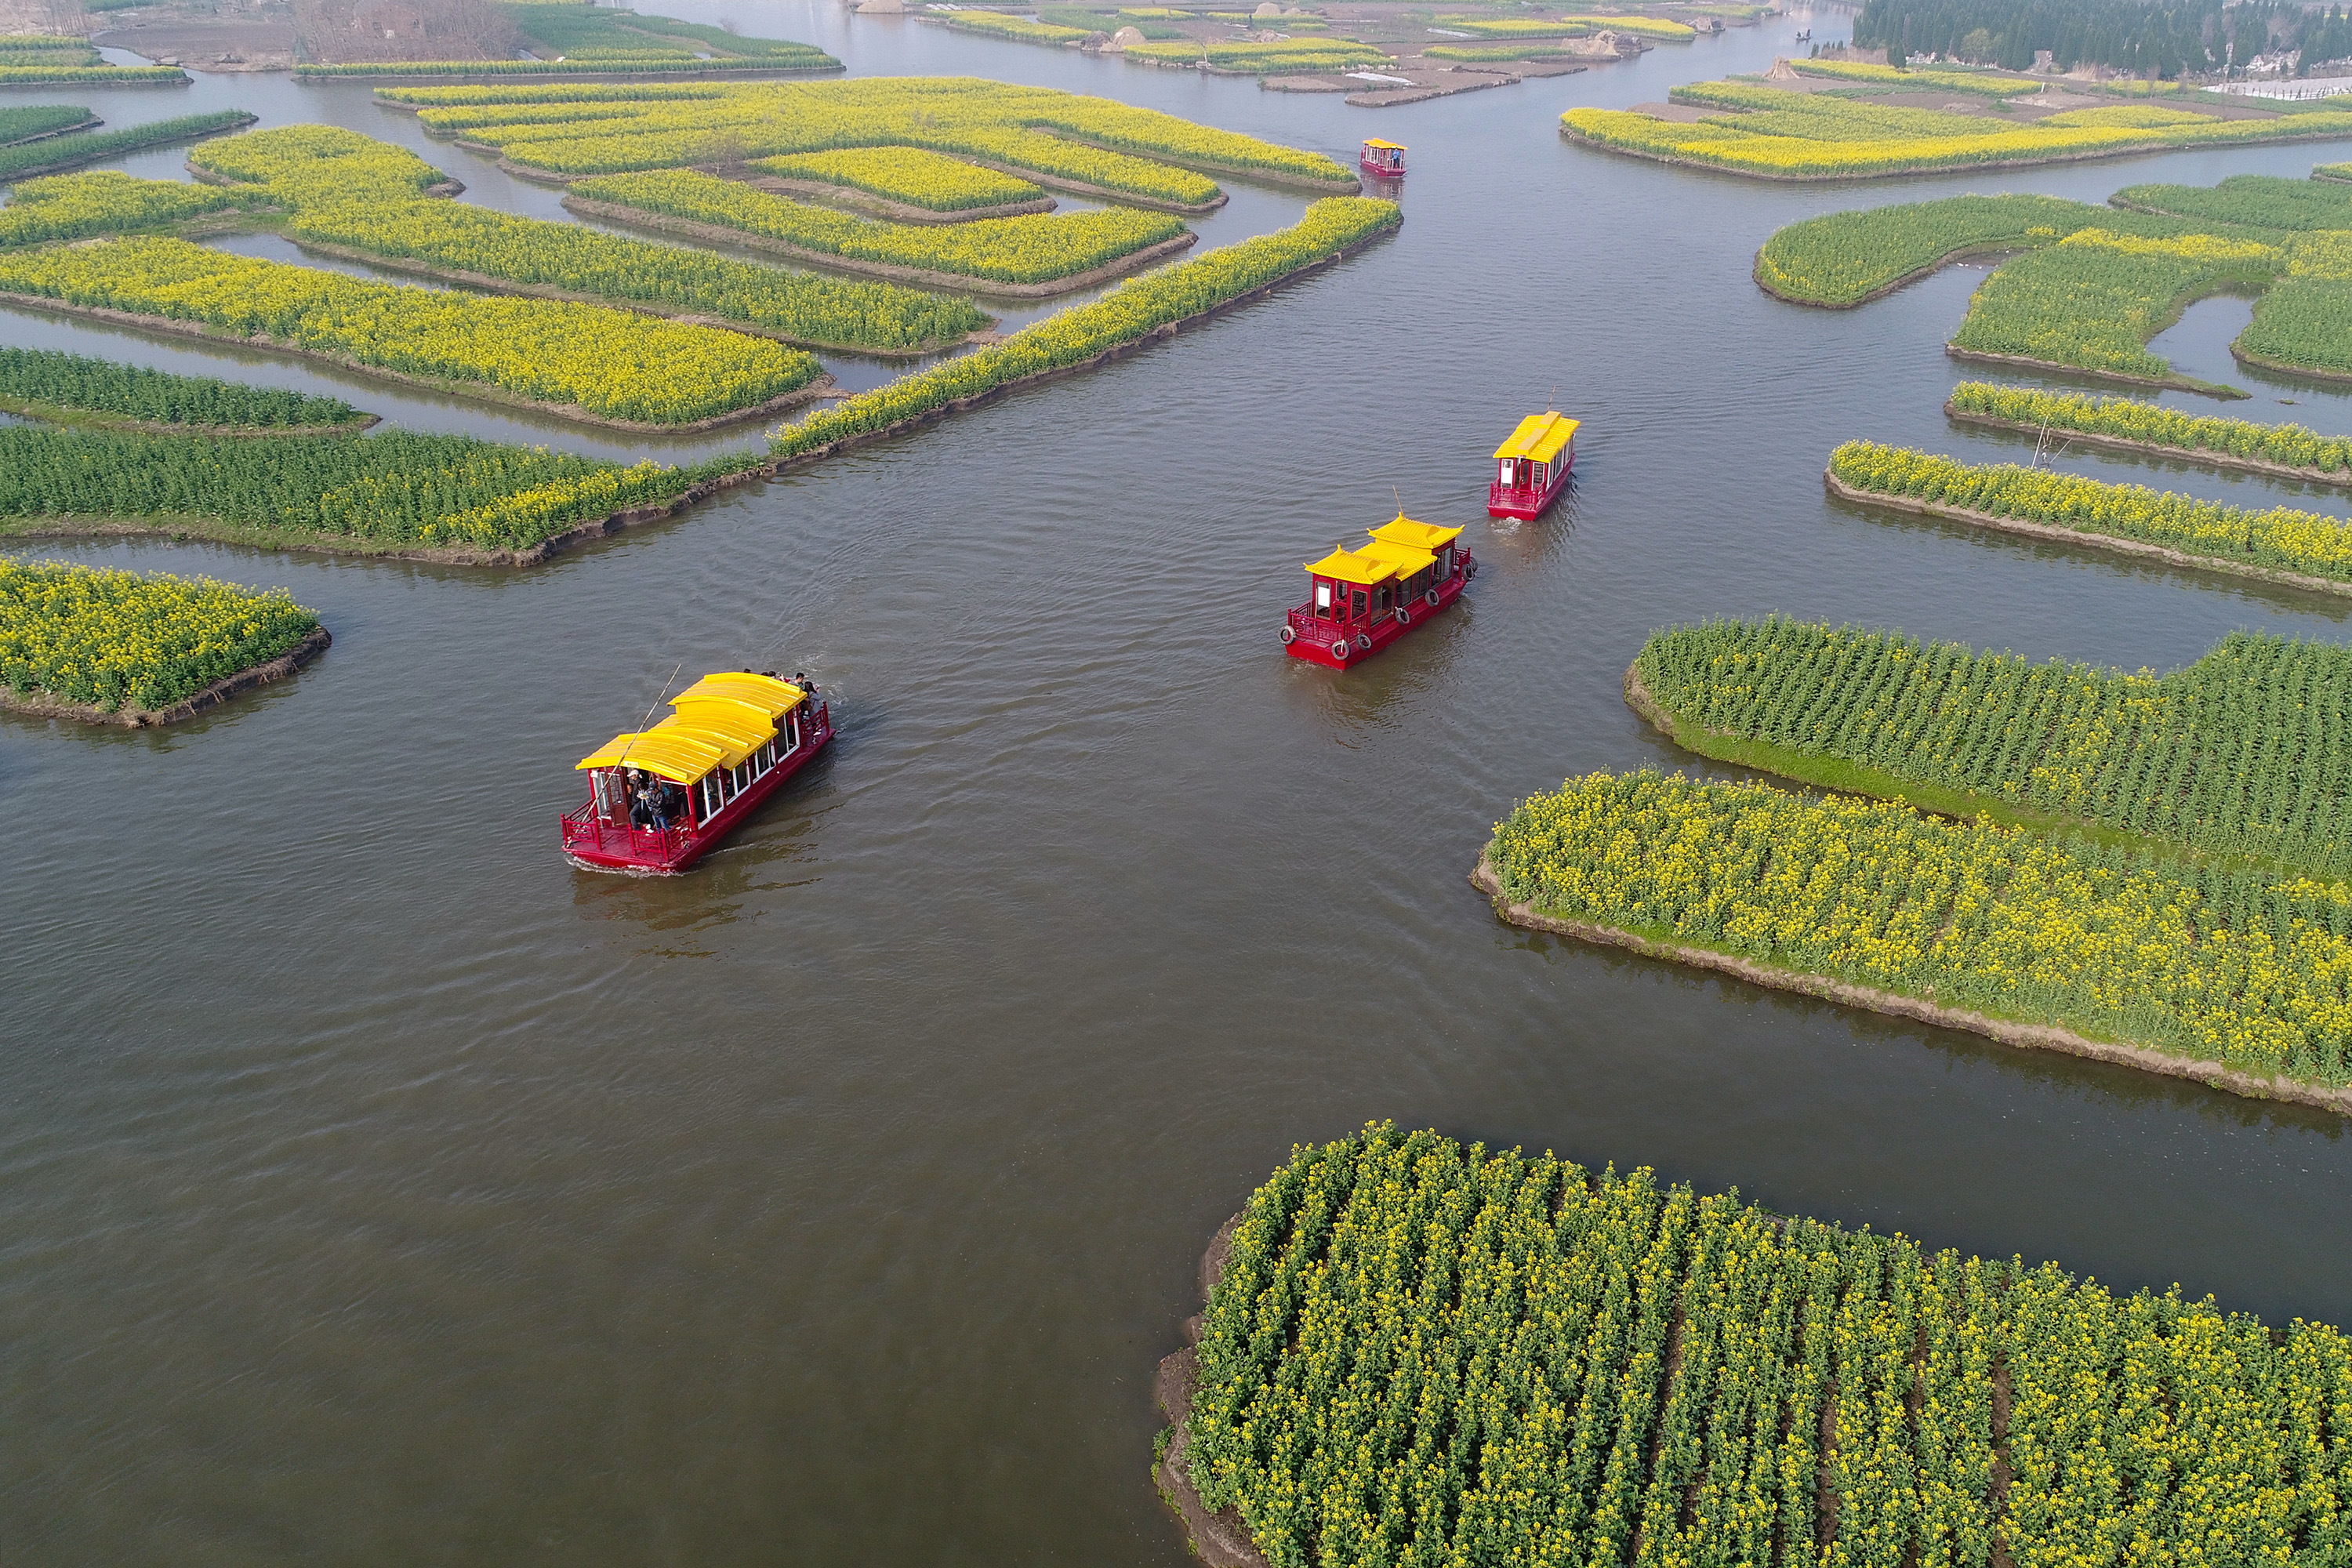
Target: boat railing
x: 584, y: 829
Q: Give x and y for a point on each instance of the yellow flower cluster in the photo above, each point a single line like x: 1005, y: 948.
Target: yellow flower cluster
x: 1033, y: 248
x: 1124, y: 314
x: 350, y: 190
x: 1023, y: 29
x: 105, y: 638
x: 71, y: 207
x: 2303, y: 542
x: 1286, y: 57
x: 2294, y: 445
x: 1030, y: 129
x: 907, y: 175
x: 1792, y: 135
x: 2228, y: 966
x: 1429, y: 1356
x: 1983, y: 82
x: 610, y: 363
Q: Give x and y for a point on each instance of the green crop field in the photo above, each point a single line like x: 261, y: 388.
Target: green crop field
x: 358, y: 492
x: 2244, y: 752
x: 1773, y: 134
x: 2200, y: 961
x: 2280, y: 538
x: 48, y: 383
x: 1424, y: 1354
x: 108, y: 639
x: 1033, y: 248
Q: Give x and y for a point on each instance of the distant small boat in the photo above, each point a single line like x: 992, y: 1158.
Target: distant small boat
x: 1531, y: 467
x: 659, y: 799
x: 1382, y: 160
x: 1364, y: 599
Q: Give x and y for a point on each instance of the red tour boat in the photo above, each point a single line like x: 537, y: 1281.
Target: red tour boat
x: 1366, y: 598
x: 1382, y: 160
x: 1531, y: 467
x: 659, y: 799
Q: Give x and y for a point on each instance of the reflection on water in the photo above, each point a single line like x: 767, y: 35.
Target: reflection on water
x: 383, y: 1190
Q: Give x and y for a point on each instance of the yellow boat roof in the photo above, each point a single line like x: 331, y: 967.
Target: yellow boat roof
x: 1360, y: 567
x: 1539, y: 438
x: 678, y: 755
x: 1404, y: 558
x: 764, y: 691
x: 735, y: 739
x: 1414, y: 535
x: 1392, y: 146
x: 720, y: 720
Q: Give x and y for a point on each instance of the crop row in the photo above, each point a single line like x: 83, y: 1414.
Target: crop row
x: 2209, y: 962
x: 993, y: 120
x: 356, y: 193
x: 1423, y: 1354
x: 394, y: 488
x: 1646, y: 26
x: 1129, y: 312
x: 92, y: 76
x: 75, y: 207
x: 1843, y: 258
x: 2305, y: 321
x: 577, y: 32
x: 24, y: 122
x: 1534, y: 49
x: 106, y: 638
x: 680, y: 63
x: 1290, y: 57
x: 45, y: 381
x: 2149, y: 424
x: 2093, y: 299
x: 996, y: 23
x: 1033, y: 248
x: 2243, y: 753
x: 2277, y: 538
x: 1814, y: 136
x: 909, y: 174
x: 610, y: 363
x: 88, y: 147
x: 2255, y: 201
x: 1892, y: 79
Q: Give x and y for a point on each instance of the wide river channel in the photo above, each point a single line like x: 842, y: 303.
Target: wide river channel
x: 380, y: 1190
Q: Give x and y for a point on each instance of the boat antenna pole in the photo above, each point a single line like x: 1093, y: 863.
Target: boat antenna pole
x: 649, y: 713
x: 1399, y: 500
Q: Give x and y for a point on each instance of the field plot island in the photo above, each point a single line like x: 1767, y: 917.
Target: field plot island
x: 554, y: 320
x: 138, y: 649
x: 1415, y: 1352
x: 1840, y: 120
x: 1379, y: 55
x: 543, y: 38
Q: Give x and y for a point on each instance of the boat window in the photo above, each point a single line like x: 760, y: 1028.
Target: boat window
x: 1381, y: 601
x: 791, y: 733
x: 1356, y: 603
x: 1323, y: 600
x: 1505, y: 481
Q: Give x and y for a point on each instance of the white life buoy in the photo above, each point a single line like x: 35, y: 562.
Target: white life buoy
x: 1432, y: 597
x: 1288, y: 636
x: 1403, y: 615
x: 1339, y: 649
x: 1363, y: 642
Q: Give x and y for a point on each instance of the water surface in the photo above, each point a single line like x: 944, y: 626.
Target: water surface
x: 382, y: 1191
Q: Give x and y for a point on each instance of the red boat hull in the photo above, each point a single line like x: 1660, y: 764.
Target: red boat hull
x: 594, y: 845
x: 1314, y: 640
x: 1526, y: 504
x: 1377, y: 170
